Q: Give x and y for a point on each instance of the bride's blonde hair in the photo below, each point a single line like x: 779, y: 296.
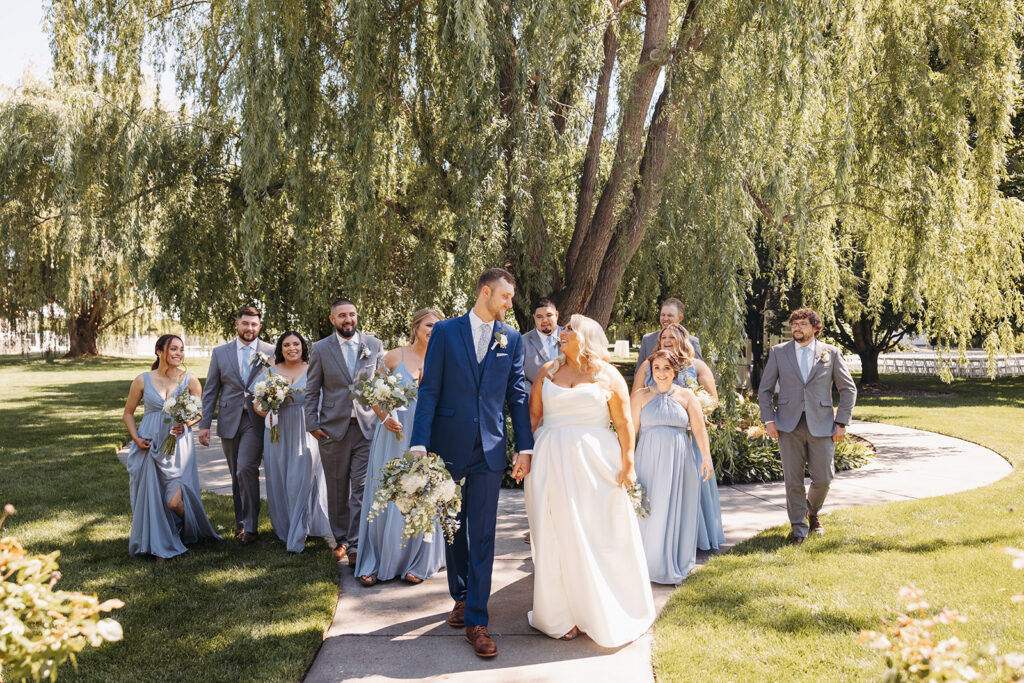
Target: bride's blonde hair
x: 593, y: 345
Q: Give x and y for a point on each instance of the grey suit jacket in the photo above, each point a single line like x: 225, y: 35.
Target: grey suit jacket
x: 537, y: 354
x: 328, y: 378
x: 812, y: 398
x: 650, y: 342
x: 224, y: 380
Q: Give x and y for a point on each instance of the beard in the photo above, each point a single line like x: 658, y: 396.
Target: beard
x: 247, y: 336
x: 346, y: 331
x: 546, y: 328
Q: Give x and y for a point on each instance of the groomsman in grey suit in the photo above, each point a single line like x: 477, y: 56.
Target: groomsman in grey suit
x: 804, y: 423
x: 541, y: 343
x: 234, y: 368
x: 671, y: 313
x: 342, y: 426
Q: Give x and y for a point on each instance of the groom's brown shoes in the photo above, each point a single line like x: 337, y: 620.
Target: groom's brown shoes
x: 478, y: 637
x: 457, y: 617
x: 813, y: 523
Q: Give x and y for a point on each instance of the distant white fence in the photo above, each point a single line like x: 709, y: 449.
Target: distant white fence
x: 928, y: 363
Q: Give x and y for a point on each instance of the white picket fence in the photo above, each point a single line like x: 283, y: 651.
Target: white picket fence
x: 928, y: 363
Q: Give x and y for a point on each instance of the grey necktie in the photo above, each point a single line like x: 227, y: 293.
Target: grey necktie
x: 350, y: 357
x: 246, y: 362
x: 552, y: 347
x: 805, y: 364
x: 481, y: 343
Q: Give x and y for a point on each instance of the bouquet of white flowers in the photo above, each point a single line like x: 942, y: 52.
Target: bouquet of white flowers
x: 181, y: 408
x: 269, y: 395
x: 707, y: 401
x: 638, y: 497
x: 385, y: 390
x: 423, y: 490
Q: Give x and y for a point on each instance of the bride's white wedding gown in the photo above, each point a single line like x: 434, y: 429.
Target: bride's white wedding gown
x: 589, y: 565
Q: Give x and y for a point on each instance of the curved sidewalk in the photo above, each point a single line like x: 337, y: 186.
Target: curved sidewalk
x: 395, y: 632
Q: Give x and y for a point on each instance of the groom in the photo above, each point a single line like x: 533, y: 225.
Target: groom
x: 474, y: 365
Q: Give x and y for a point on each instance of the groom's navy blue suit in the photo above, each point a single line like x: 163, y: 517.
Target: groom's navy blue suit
x: 460, y: 415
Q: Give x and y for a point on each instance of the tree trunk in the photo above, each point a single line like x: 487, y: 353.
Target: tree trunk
x: 84, y: 327
x: 869, y: 366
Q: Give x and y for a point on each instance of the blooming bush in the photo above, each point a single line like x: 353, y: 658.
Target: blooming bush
x: 41, y: 628
x: 922, y: 644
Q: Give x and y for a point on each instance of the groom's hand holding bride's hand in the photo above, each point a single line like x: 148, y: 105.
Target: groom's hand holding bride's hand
x: 520, y: 466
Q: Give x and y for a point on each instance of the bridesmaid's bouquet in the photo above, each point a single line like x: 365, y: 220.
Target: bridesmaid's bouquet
x: 423, y: 490
x: 707, y: 401
x: 386, y: 390
x: 269, y: 395
x: 180, y: 409
x: 638, y: 498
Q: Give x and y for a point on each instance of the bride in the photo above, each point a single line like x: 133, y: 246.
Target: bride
x: 590, y: 575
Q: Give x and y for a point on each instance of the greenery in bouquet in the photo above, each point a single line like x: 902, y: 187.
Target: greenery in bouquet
x: 638, y: 498
x: 180, y: 409
x: 424, y: 492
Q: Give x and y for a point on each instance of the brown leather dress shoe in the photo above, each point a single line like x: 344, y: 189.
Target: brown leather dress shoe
x: 813, y: 522
x: 352, y: 557
x: 457, y: 617
x: 795, y: 540
x: 478, y: 637
x: 339, y: 551
x: 247, y: 537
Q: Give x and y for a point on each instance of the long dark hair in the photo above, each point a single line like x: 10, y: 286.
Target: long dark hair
x: 161, y: 344
x: 279, y: 349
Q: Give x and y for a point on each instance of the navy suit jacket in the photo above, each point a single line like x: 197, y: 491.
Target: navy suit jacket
x: 460, y: 400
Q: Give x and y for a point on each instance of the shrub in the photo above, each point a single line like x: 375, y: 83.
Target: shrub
x: 41, y: 628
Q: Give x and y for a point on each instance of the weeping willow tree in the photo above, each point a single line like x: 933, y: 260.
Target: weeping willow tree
x: 81, y: 180
x: 604, y: 151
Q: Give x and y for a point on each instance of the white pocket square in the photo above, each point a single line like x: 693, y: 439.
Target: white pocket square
x: 499, y: 355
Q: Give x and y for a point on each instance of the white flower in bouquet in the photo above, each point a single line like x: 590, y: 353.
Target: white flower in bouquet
x: 639, y: 500
x: 384, y: 390
x: 180, y: 409
x: 423, y: 491
x: 707, y: 401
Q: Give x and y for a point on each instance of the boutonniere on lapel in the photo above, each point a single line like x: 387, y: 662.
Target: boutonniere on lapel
x: 500, y: 341
x: 823, y: 357
x: 364, y: 352
x: 262, y: 359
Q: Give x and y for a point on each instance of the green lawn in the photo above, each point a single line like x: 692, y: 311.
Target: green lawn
x: 220, y: 612
x: 767, y: 611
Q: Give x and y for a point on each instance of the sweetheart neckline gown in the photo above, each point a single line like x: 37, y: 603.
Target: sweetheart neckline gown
x: 154, y: 479
x: 589, y: 565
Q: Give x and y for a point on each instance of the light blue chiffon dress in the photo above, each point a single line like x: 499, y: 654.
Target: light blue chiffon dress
x: 154, y: 479
x: 710, y: 533
x: 669, y: 471
x: 380, y: 549
x: 296, y: 488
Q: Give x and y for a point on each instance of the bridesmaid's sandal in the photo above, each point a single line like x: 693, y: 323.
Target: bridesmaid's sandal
x: 572, y: 635
x: 412, y: 579
x: 368, y: 580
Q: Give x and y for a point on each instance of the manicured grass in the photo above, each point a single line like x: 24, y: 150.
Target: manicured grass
x: 767, y: 611
x: 218, y: 613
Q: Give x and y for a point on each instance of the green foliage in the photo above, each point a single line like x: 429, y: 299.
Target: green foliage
x: 41, y: 628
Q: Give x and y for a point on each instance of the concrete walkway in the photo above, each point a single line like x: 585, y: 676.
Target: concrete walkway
x: 394, y: 631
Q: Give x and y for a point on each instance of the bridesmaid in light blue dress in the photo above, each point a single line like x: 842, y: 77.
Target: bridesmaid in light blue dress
x: 670, y: 469
x: 710, y: 534
x: 296, y: 488
x: 167, y: 510
x: 381, y: 555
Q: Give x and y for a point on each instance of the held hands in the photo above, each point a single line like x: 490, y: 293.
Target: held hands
x: 771, y: 430
x: 204, y: 437
x: 520, y: 466
x: 839, y: 434
x: 627, y: 477
x: 141, y: 443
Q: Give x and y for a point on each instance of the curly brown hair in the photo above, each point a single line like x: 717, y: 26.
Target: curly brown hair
x: 808, y: 314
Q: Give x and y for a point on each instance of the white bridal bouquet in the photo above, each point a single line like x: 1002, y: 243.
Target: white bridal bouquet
x: 182, y: 408
x: 385, y: 390
x: 423, y: 490
x: 269, y: 395
x: 638, y: 497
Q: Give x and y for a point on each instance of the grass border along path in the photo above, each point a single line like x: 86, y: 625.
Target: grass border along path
x: 220, y: 612
x: 768, y: 611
